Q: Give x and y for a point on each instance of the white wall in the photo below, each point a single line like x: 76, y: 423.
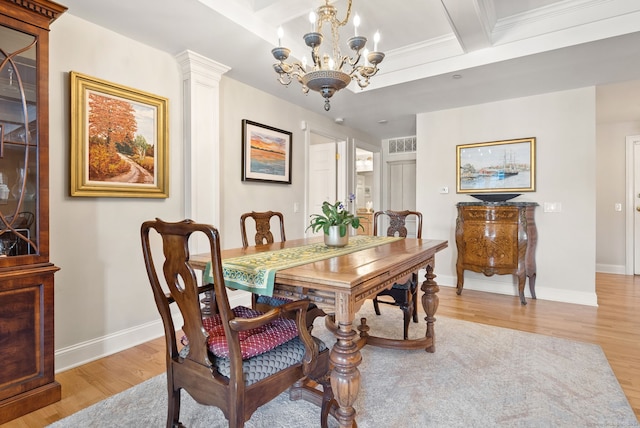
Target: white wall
x: 103, y: 301
x: 103, y: 298
x: 564, y: 125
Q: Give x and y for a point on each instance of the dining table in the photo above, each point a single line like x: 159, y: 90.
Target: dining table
x: 340, y: 280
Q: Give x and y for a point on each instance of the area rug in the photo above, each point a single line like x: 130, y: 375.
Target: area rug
x: 479, y: 376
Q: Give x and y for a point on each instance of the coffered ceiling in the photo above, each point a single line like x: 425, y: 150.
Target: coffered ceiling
x: 439, y: 53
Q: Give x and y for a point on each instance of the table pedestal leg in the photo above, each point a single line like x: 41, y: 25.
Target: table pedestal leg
x: 430, y: 302
x: 345, y: 376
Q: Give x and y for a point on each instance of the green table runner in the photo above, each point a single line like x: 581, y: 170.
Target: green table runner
x: 256, y: 272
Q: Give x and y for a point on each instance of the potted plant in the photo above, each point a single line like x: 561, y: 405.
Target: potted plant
x: 334, y: 223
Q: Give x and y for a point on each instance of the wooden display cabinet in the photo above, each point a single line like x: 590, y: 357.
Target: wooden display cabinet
x: 27, y: 379
x: 497, y: 238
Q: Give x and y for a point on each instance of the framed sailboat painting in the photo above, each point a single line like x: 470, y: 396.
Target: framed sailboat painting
x: 497, y: 166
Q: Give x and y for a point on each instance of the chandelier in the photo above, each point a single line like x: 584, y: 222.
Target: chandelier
x: 330, y: 71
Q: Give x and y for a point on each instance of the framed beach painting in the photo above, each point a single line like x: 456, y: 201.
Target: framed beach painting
x: 119, y: 140
x: 266, y: 153
x: 497, y: 166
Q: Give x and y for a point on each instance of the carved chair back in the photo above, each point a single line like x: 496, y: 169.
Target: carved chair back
x: 262, y: 221
x: 398, y: 222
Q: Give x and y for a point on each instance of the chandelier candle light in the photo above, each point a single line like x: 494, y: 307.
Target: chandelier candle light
x: 332, y: 71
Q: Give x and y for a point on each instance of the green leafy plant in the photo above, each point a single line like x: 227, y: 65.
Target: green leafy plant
x: 334, y: 215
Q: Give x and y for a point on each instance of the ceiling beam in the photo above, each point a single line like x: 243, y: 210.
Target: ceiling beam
x: 471, y: 22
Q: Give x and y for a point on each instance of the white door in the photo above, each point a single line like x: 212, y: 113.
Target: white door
x: 401, y: 191
x: 636, y: 207
x: 322, y: 177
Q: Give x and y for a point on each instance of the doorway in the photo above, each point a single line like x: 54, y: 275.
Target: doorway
x: 325, y: 174
x: 332, y: 171
x: 401, y: 190
x: 633, y: 206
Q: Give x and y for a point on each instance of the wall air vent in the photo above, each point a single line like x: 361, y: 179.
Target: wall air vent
x: 402, y: 145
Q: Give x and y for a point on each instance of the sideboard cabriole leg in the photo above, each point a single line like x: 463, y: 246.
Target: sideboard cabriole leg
x: 532, y: 242
x: 461, y: 245
x: 460, y: 282
x: 430, y: 302
x: 532, y: 286
x: 522, y: 278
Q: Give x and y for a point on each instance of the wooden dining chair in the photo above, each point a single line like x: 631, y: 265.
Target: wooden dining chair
x: 404, y: 294
x: 263, y: 236
x: 239, y: 359
x: 262, y: 221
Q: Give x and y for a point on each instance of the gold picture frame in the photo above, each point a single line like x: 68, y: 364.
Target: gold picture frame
x: 497, y: 166
x: 119, y: 140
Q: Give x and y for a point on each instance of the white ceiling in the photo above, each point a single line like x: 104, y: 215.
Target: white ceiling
x: 499, y: 48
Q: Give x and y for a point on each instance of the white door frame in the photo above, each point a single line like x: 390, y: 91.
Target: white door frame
x: 341, y: 170
x: 377, y: 170
x: 630, y: 211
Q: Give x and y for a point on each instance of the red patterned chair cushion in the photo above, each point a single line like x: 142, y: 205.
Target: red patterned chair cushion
x: 252, y: 342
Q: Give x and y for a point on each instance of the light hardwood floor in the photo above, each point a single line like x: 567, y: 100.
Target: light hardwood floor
x: 614, y: 325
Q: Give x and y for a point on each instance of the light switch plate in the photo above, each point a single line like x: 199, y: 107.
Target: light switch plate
x: 552, y: 207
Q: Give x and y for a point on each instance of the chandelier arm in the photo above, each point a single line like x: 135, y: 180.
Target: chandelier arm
x: 298, y: 73
x: 346, y: 18
x: 344, y: 60
x: 288, y: 71
x: 284, y: 81
x: 353, y: 61
x: 362, y: 81
x: 368, y: 72
x: 362, y: 74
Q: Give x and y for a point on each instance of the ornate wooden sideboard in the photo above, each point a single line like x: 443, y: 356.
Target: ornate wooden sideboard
x: 27, y: 380
x: 497, y: 238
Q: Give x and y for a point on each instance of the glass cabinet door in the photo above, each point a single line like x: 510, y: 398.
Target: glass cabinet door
x: 18, y: 144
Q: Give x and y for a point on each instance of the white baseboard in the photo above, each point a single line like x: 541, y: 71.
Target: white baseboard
x: 617, y: 269
x: 509, y: 289
x: 84, y: 352
x: 91, y: 350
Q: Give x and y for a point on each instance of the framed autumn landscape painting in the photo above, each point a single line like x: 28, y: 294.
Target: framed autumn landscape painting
x: 266, y: 153
x: 119, y: 144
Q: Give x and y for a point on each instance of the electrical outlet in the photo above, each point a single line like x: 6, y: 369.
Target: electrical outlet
x: 617, y: 206
x: 444, y: 189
